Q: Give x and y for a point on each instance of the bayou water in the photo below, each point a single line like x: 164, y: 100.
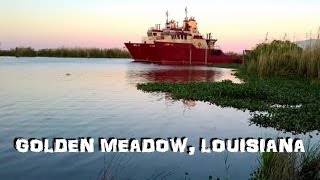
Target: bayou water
x: 70, y: 98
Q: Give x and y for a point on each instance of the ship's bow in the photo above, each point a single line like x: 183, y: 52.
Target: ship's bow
x: 136, y: 52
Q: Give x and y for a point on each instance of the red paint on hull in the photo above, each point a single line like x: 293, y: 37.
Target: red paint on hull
x: 136, y: 52
x: 179, y: 75
x: 188, y: 54
x: 173, y: 53
x: 150, y: 51
x: 178, y: 54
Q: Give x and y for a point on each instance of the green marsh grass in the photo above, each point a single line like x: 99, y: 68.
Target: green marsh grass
x: 67, y: 52
x: 289, y: 166
x: 283, y: 58
x: 288, y: 103
x: 281, y: 87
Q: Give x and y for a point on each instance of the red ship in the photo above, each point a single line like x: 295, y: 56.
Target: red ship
x: 179, y: 45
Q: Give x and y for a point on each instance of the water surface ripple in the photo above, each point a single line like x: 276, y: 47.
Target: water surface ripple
x: 100, y: 99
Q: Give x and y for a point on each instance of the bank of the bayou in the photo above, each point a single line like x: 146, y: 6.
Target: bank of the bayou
x: 67, y: 52
x: 281, y: 88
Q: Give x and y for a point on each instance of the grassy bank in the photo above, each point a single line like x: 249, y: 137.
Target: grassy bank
x: 67, y: 52
x: 291, y: 102
x: 271, y: 166
x: 289, y: 166
x: 283, y: 58
x: 277, y: 92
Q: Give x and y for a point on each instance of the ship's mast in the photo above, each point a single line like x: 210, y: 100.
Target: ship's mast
x: 186, y: 11
x: 206, y: 52
x: 167, y: 15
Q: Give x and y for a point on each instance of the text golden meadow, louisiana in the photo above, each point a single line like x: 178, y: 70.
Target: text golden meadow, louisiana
x: 149, y: 145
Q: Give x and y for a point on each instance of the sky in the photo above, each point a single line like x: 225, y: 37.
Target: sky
x: 237, y: 24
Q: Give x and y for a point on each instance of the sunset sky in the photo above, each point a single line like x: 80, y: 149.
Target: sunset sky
x: 236, y: 24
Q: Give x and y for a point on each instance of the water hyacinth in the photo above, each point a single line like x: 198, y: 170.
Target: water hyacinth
x: 289, y: 103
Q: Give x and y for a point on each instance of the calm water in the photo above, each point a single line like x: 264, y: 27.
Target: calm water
x: 100, y: 99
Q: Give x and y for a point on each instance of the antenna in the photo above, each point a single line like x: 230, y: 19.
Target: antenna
x: 186, y: 11
x: 167, y: 15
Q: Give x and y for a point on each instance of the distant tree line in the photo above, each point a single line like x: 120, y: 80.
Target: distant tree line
x: 67, y: 52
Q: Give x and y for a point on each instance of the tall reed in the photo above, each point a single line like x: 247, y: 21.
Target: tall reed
x: 278, y: 57
x: 309, y: 63
x: 282, y: 58
x: 290, y: 166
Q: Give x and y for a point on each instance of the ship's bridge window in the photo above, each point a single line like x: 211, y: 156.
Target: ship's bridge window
x: 154, y: 34
x: 216, y: 52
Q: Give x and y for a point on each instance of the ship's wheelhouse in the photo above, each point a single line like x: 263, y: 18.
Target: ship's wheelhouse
x: 173, y: 33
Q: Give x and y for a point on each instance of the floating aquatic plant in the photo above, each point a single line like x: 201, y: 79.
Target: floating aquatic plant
x: 289, y: 103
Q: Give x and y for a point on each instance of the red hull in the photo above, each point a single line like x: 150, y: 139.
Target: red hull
x: 174, y: 53
x: 136, y: 52
x: 178, y: 54
x: 188, y: 54
x: 151, y: 53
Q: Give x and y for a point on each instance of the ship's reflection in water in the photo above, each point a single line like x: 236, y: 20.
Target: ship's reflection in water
x: 181, y: 74
x: 99, y: 98
x: 169, y: 101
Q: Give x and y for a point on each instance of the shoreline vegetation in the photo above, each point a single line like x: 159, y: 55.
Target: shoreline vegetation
x: 289, y: 166
x: 281, y: 90
x: 281, y: 87
x: 270, y: 166
x: 67, y: 52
